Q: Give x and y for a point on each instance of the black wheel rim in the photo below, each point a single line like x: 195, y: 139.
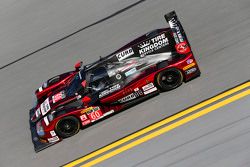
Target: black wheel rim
x: 170, y: 78
x: 68, y: 127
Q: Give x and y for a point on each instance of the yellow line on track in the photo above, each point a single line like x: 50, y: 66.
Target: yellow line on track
x: 168, y: 128
x: 156, y: 125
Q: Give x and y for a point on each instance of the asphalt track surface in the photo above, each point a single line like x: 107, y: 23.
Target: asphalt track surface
x: 218, y: 32
x: 224, y: 143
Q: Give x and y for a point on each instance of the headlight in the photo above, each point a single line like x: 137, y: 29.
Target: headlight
x: 39, y: 129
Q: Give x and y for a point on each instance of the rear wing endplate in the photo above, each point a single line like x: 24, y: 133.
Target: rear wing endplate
x: 182, y: 43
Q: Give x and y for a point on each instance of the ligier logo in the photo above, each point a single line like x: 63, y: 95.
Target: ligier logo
x: 124, y: 54
x: 153, y: 44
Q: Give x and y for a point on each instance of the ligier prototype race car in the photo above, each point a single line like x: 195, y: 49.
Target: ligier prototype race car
x: 155, y: 62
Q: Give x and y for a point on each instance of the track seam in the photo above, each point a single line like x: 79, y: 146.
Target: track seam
x: 76, y: 32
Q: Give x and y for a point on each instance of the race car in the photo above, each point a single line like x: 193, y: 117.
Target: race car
x: 158, y: 61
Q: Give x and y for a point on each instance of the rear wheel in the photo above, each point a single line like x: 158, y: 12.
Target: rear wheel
x: 67, y: 126
x: 169, y: 79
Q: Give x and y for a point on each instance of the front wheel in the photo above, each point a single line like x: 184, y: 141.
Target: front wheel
x: 67, y: 126
x: 169, y: 79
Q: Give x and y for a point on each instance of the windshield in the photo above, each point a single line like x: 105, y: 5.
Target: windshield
x: 99, y: 79
x: 75, y: 84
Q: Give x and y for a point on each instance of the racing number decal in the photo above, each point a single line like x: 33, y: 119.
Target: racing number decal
x: 95, y: 115
x: 91, y: 114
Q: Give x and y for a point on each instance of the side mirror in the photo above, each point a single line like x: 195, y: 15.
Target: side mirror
x: 78, y: 65
x: 86, y: 100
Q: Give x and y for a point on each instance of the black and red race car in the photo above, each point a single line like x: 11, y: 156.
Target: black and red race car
x: 155, y: 62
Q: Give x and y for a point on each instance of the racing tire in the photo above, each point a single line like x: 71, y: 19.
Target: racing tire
x: 169, y: 79
x: 67, y: 126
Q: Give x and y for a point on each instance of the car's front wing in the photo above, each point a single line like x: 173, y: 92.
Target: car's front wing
x: 38, y: 144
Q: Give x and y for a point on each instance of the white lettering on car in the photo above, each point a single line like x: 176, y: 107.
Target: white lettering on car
x: 53, y: 139
x: 45, y: 106
x: 127, y: 98
x: 124, y: 54
x: 110, y: 90
x: 176, y: 31
x: 153, y: 44
x: 191, y: 70
x: 149, y: 88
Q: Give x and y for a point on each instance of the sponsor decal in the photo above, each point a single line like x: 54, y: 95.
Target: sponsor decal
x: 40, y: 89
x: 127, y: 98
x: 45, y: 106
x: 83, y: 117
x: 182, y: 47
x: 86, y: 122
x: 118, y: 76
x: 130, y: 72
x: 149, y: 88
x: 53, y: 139
x: 92, y: 110
x: 153, y: 44
x: 59, y: 96
x: 96, y: 108
x: 46, y: 121
x: 191, y: 70
x: 110, y: 90
x: 124, y: 54
x: 173, y: 23
x: 52, y: 133
x: 189, y: 66
x: 189, y: 61
x: 87, y: 110
x: 138, y: 92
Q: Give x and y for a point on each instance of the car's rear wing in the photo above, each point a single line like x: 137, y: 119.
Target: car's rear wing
x: 181, y: 40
